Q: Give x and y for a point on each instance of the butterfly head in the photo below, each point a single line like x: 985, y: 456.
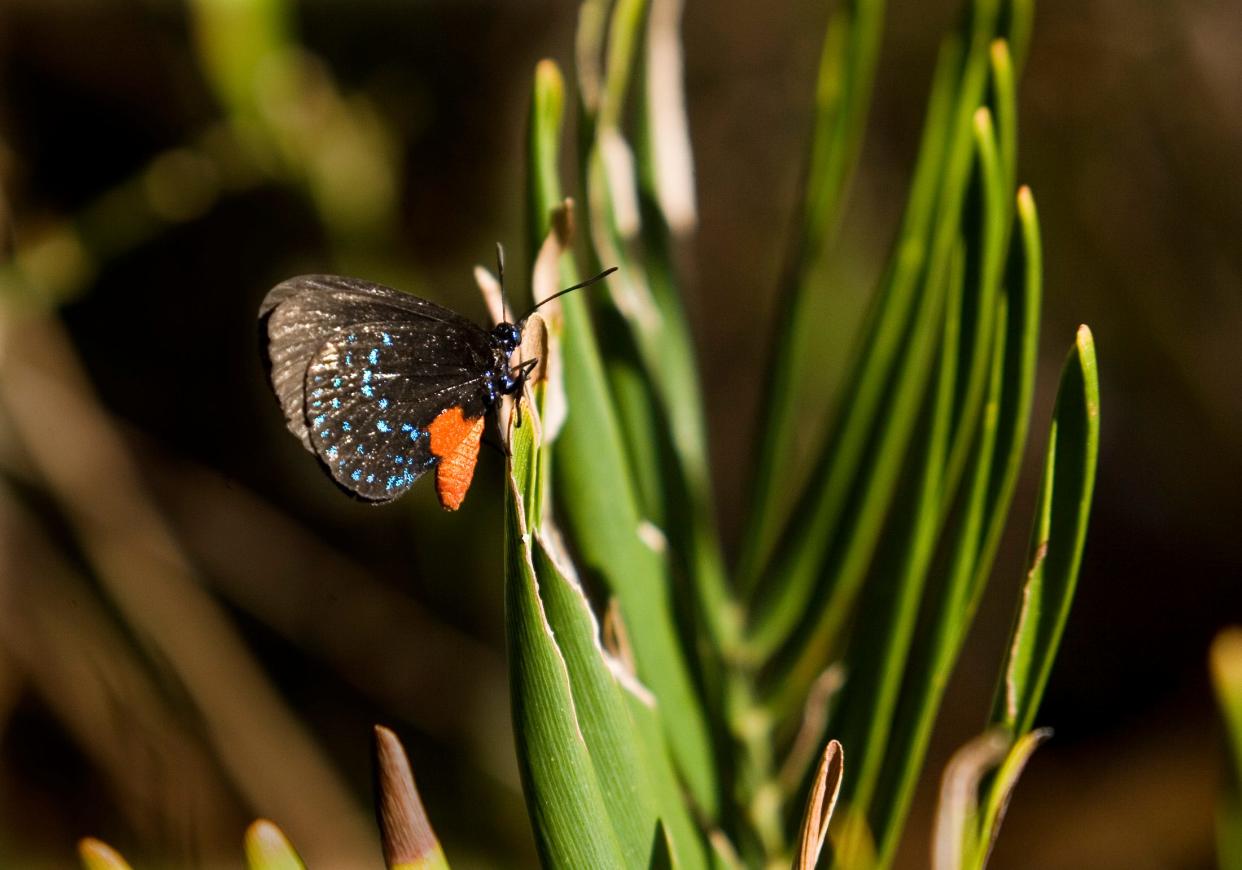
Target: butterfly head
x: 506, y: 337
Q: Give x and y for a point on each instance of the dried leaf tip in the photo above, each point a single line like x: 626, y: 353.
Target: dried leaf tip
x: 404, y: 827
x: 819, y: 806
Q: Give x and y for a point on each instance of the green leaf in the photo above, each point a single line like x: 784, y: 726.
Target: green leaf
x: 1004, y: 106
x: 568, y: 812
x: 887, y: 616
x: 870, y: 369
x: 594, y: 480
x: 842, y: 100
x: 895, y: 359
x: 267, y: 848
x: 686, y: 840
x: 1057, y: 539
x: 988, y: 234
x: 602, y: 712
x: 623, y: 43
x: 646, y: 344
x: 405, y: 831
x: 983, y: 508
x: 543, y: 192
x: 813, y: 647
x: 1024, y: 294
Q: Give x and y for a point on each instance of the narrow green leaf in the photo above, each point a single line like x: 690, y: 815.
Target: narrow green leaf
x: 98, y: 855
x: 1057, y: 539
x: 267, y: 848
x: 1004, y: 106
x: 822, y: 501
x: 405, y: 831
x: 568, y: 813
x: 986, y: 498
x: 593, y: 477
x: 882, y: 640
x: 842, y: 99
x: 1024, y: 295
x: 543, y: 193
x: 988, y: 235
x: 624, y: 33
x: 931, y: 225
x: 813, y: 647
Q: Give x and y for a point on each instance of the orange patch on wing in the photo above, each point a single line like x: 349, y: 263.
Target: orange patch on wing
x: 455, y: 440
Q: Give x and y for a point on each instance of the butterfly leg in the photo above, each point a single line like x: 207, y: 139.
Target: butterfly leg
x: 523, y: 369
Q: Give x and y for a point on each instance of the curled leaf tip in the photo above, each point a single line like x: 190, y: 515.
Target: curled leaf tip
x: 819, y: 806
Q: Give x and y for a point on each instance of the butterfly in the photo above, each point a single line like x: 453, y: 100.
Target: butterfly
x: 382, y: 386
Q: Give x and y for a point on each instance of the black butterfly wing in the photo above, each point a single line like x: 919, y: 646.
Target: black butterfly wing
x: 360, y: 370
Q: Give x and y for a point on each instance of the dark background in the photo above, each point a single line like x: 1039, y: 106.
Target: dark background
x: 1131, y: 127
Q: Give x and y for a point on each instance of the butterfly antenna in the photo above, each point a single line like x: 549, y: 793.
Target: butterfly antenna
x: 587, y: 283
x: 500, y: 276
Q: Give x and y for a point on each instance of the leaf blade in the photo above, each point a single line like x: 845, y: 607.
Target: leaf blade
x: 1057, y: 539
x: 571, y: 822
x: 592, y: 475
